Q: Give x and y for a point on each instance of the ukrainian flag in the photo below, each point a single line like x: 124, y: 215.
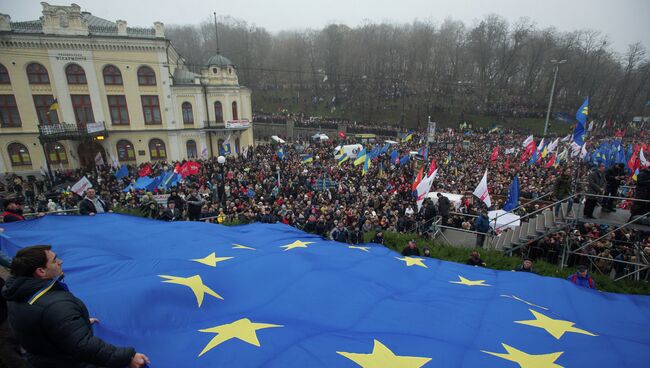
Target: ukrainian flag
x: 361, y: 157
x: 343, y: 158
x: 307, y: 158
x: 54, y: 106
x: 366, y: 166
x: 407, y: 137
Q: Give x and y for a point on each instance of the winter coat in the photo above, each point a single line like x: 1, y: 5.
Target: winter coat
x: 596, y: 182
x: 562, y: 187
x: 86, y: 206
x: 55, y: 329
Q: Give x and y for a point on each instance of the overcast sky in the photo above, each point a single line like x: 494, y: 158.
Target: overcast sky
x: 624, y: 21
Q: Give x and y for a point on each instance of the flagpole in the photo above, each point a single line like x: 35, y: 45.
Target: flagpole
x: 550, y: 100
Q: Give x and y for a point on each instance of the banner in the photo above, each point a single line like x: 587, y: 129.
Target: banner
x: 81, y: 186
x: 161, y: 199
x: 94, y: 127
x: 238, y: 124
x: 431, y: 132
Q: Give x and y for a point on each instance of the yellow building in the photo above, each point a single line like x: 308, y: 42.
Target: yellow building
x: 77, y: 90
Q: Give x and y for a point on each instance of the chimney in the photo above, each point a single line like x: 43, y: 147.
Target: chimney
x: 160, y: 29
x: 5, y: 22
x: 121, y: 27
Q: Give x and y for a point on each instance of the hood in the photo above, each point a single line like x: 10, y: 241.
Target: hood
x: 20, y: 289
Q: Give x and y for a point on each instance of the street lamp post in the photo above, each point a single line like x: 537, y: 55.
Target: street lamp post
x: 550, y: 100
x: 222, y: 186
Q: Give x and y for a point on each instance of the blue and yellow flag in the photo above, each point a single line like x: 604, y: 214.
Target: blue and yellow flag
x: 281, y: 153
x: 307, y: 158
x: 361, y: 157
x: 581, y: 117
x: 366, y: 165
x: 192, y: 294
x: 344, y: 157
x: 407, y: 136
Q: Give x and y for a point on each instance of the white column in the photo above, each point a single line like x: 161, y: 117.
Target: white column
x: 167, y: 103
x: 173, y: 147
x: 57, y: 66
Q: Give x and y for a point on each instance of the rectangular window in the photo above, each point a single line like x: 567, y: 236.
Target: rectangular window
x: 151, y: 110
x: 45, y: 116
x: 9, y: 116
x: 83, y: 109
x: 119, y: 111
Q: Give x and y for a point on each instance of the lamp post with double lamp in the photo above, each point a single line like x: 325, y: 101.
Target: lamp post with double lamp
x: 550, y: 100
x: 222, y: 186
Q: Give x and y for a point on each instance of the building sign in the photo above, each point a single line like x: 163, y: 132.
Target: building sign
x: 94, y: 127
x: 238, y: 124
x: 67, y: 56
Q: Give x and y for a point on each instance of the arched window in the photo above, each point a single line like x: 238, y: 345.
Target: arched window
x: 75, y: 74
x: 234, y: 111
x: 56, y: 153
x: 4, y: 75
x: 112, y: 76
x: 188, y: 116
x: 125, y: 151
x: 157, y: 149
x: 146, y: 76
x: 19, y: 155
x: 218, y: 112
x: 191, y: 149
x: 37, y: 74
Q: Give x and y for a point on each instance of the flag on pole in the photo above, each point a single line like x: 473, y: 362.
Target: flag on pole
x: 145, y: 171
x: 366, y: 165
x: 528, y: 141
x: 509, y: 151
x: 204, y: 153
x: 99, y: 160
x: 361, y: 157
x: 343, y: 158
x: 307, y: 158
x: 581, y: 116
x: 423, y: 188
x: 54, y: 106
x: 644, y: 162
x: 432, y: 167
x: 418, y: 179
x: 122, y: 172
x: 551, y: 161
x: 481, y: 190
x: 81, y: 186
x: 513, y: 195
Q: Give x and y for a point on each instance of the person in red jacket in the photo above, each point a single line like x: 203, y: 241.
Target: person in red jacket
x: 12, y: 212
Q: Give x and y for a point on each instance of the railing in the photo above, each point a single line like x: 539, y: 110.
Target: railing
x: 63, y: 131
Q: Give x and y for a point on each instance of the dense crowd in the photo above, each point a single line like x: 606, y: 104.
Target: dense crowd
x: 333, y: 200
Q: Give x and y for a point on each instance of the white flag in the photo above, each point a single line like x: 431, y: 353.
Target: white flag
x: 510, y: 150
x: 567, y: 138
x: 540, y: 145
x: 99, y: 160
x: 644, y: 162
x: 81, y: 186
x: 591, y: 126
x: 583, y: 151
x: 553, y: 145
x: 528, y: 141
x: 424, y: 187
x: 575, y: 149
x: 204, y: 153
x: 481, y: 190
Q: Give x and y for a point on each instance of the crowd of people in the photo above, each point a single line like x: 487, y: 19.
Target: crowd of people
x: 336, y: 200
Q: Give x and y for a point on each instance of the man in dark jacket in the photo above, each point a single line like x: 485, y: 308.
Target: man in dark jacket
x: 9, y: 348
x: 171, y: 213
x: 411, y: 249
x: 340, y: 233
x: 562, y: 190
x: 91, y: 204
x: 613, y: 176
x: 12, y: 212
x: 482, y: 226
x: 595, y: 185
x: 194, y: 204
x: 642, y: 192
x: 443, y: 208
x: 50, y: 322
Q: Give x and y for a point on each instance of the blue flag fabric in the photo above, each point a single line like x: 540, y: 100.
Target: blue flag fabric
x: 191, y: 294
x: 122, y: 172
x: 405, y: 159
x: 581, y: 117
x: 394, y: 157
x: 513, y: 195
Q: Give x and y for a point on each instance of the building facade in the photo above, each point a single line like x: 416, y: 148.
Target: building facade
x: 77, y: 90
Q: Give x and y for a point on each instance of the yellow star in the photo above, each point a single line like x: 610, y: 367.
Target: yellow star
x: 193, y: 282
x: 296, y: 244
x: 242, y: 329
x: 528, y: 360
x: 464, y: 281
x: 365, y: 249
x: 412, y: 261
x: 556, y: 327
x: 382, y: 357
x: 211, y: 260
x: 239, y: 246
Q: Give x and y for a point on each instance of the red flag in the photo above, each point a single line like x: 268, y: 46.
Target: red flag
x: 495, y: 154
x: 632, y: 164
x: 177, y: 168
x: 551, y: 162
x: 507, y: 164
x: 418, y: 179
x: 146, y: 170
x: 342, y: 135
x: 190, y: 168
x: 432, y: 167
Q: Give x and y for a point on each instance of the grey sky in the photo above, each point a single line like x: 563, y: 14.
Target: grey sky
x: 624, y: 21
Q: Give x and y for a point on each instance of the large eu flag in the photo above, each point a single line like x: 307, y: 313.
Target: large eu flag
x: 192, y: 294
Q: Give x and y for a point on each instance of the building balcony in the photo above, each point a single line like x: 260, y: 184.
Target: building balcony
x: 71, y: 131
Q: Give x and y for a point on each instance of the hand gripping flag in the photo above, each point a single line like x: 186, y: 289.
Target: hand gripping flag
x: 481, y: 190
x: 200, y: 295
